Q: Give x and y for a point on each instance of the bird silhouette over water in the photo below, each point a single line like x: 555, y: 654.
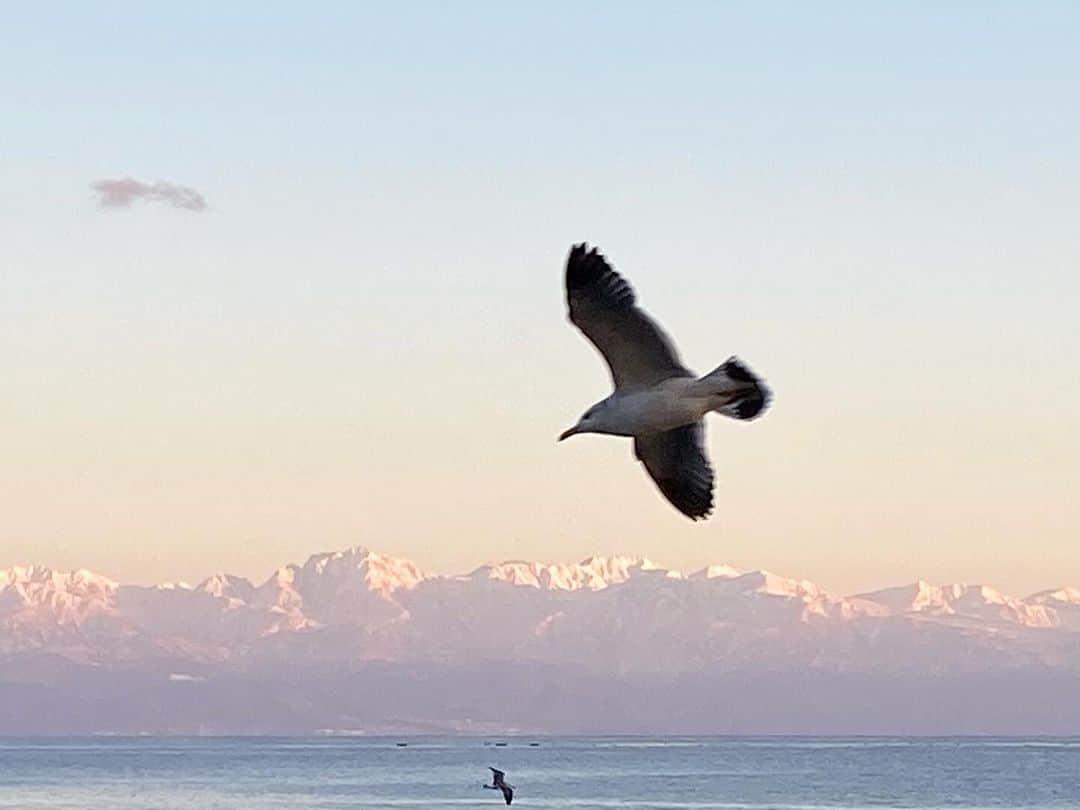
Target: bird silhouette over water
x: 498, y: 783
x: 657, y: 401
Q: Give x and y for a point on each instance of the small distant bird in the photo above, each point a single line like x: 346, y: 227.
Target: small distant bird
x: 497, y: 783
x: 657, y: 401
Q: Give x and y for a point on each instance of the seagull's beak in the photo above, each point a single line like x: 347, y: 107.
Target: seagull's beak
x: 566, y: 434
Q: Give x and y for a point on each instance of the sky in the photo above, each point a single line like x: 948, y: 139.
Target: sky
x: 359, y: 335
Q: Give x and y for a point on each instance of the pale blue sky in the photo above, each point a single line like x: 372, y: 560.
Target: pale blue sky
x: 362, y: 339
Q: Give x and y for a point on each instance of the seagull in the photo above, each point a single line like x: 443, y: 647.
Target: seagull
x: 657, y: 401
x: 497, y: 783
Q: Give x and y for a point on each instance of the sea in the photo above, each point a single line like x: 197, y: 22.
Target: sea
x: 734, y: 773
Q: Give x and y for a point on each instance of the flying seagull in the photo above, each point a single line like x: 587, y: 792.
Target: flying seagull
x: 497, y: 783
x: 657, y: 401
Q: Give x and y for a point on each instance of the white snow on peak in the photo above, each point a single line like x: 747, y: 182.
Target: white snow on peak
x: 173, y: 586
x: 1062, y: 604
x: 59, y: 597
x: 961, y: 600
x: 39, y: 578
x: 717, y: 571
x: 766, y: 582
x: 237, y: 590
x: 394, y: 607
x: 593, y: 573
x: 600, y: 572
x: 917, y: 597
x: 1058, y: 597
x: 278, y: 590
x: 381, y: 573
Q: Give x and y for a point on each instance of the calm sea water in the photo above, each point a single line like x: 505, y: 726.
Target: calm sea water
x: 580, y: 772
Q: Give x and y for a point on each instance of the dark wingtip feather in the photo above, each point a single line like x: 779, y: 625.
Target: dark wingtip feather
x: 694, y: 502
x: 676, y: 462
x: 590, y: 278
x: 700, y: 513
x: 584, y: 266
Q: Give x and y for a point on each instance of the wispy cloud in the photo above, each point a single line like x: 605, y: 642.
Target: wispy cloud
x: 123, y: 192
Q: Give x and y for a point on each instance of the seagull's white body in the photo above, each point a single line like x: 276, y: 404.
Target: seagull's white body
x: 665, y: 406
x: 657, y: 401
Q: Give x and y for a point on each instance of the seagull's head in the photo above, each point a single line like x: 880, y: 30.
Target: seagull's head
x: 592, y: 421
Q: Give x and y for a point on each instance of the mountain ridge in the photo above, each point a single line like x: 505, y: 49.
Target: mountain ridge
x: 400, y: 608
x: 386, y: 573
x: 568, y: 646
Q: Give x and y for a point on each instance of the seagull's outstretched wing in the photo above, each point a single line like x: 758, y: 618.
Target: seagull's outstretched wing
x: 677, y: 462
x: 602, y: 305
x: 498, y: 782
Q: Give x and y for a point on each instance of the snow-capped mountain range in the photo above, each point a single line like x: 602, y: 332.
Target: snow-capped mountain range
x: 356, y: 639
x: 359, y: 605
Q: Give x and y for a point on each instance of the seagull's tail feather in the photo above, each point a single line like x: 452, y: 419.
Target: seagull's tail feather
x: 737, y: 391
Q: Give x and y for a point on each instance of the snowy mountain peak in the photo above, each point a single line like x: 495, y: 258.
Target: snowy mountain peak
x: 975, y: 594
x: 768, y: 583
x: 227, y: 586
x: 38, y: 594
x: 718, y: 571
x: 611, y: 570
x: 317, y: 639
x: 40, y: 576
x: 37, y: 584
x: 918, y: 597
x: 963, y: 601
x: 173, y: 586
x: 380, y: 572
x: 593, y: 573
x: 357, y: 604
x: 356, y: 555
x: 1060, y: 596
